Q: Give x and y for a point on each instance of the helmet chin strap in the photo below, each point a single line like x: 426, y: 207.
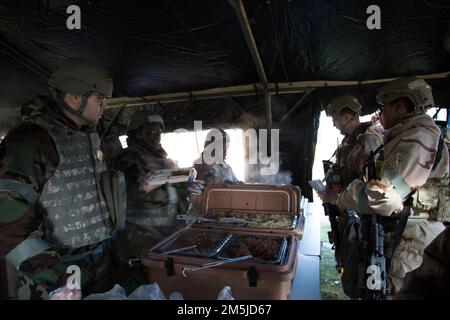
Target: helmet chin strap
x: 78, y: 113
x: 348, y: 122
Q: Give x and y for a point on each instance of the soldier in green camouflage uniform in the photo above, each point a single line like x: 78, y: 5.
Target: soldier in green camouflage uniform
x: 151, y: 213
x: 52, y: 213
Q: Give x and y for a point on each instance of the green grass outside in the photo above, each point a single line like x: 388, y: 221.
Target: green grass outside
x: 330, y: 282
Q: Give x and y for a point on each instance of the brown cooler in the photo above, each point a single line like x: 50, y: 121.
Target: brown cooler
x: 256, y: 278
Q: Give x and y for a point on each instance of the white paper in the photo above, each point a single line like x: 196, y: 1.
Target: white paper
x: 317, y: 185
x: 160, y: 177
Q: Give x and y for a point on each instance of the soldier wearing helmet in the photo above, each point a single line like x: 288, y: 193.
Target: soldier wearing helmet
x: 151, y: 212
x: 360, y: 139
x: 415, y: 171
x: 52, y: 210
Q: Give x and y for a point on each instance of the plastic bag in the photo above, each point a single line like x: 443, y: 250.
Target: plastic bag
x: 225, y: 294
x: 116, y: 293
x: 65, y: 293
x: 176, y: 296
x: 147, y: 292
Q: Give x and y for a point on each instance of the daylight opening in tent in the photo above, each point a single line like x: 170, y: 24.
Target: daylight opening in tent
x: 185, y: 147
x: 441, y: 114
x: 328, y: 138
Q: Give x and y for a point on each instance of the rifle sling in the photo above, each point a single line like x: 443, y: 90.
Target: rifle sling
x: 439, y: 149
x: 404, y: 215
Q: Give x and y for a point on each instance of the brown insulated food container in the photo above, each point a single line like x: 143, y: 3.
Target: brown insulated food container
x: 266, y: 276
x: 267, y: 208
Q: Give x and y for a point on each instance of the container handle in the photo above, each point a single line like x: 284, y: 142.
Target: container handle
x: 214, y: 264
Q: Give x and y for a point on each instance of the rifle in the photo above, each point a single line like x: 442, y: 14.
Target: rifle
x: 332, y: 175
x: 377, y: 283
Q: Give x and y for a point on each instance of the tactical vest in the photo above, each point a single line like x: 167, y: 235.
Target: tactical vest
x: 349, y: 142
x: 432, y: 200
x: 158, y: 215
x: 75, y: 213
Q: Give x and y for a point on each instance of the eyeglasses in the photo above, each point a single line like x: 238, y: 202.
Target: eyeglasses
x: 100, y: 97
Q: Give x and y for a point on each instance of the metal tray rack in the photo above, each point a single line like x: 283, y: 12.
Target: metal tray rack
x: 177, y: 241
x: 279, y: 258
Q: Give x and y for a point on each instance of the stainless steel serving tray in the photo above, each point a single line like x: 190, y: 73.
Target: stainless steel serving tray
x: 179, y: 240
x: 237, y: 238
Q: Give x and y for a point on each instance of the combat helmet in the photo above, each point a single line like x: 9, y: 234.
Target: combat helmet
x: 78, y: 77
x: 144, y: 116
x: 339, y: 103
x: 417, y: 90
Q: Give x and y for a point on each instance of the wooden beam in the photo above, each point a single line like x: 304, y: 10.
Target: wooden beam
x: 251, y: 90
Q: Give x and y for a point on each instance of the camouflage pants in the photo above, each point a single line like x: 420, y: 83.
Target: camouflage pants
x: 133, y: 242
x: 408, y: 255
x: 96, y: 276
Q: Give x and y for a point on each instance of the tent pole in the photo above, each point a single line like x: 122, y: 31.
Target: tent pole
x: 24, y: 60
x: 238, y: 7
x: 296, y: 105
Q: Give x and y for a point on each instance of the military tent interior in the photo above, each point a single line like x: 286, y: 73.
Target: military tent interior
x: 229, y: 63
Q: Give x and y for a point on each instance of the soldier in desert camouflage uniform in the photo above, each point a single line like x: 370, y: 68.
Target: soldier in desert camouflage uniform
x: 360, y: 139
x: 52, y: 212
x: 416, y: 163
x: 432, y: 279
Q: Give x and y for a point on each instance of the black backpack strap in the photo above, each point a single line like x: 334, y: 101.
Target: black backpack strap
x: 360, y: 130
x: 404, y: 215
x: 439, y: 149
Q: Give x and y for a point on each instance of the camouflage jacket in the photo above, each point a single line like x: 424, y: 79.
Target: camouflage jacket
x: 409, y: 155
x: 135, y: 162
x: 409, y: 164
x: 28, y: 154
x: 151, y: 216
x: 215, y: 173
x: 352, y: 153
x: 432, y: 279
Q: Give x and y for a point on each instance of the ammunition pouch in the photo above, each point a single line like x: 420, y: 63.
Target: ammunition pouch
x: 353, y: 256
x: 333, y: 215
x: 114, y: 190
x: 432, y: 201
x: 442, y: 212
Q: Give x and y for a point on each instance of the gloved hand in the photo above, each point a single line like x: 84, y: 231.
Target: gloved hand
x: 145, y: 186
x: 64, y: 293
x: 195, y: 187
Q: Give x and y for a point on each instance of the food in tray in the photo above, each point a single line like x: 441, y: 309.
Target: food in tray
x: 206, y: 242
x: 257, y: 220
x: 259, y: 248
